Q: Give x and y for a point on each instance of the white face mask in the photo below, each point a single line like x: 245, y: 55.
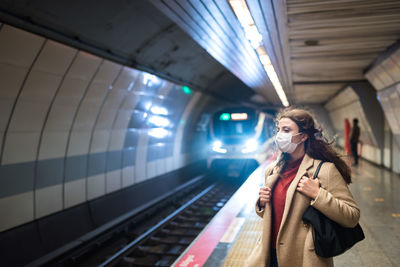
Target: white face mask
x: 284, y: 142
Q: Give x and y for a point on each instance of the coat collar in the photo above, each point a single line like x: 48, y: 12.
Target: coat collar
x: 272, y: 178
x: 305, y: 165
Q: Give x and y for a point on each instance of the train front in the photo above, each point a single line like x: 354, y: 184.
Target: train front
x: 239, y: 140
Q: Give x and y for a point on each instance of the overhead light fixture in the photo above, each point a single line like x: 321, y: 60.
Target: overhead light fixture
x: 246, y: 20
x: 273, y: 77
x: 243, y: 14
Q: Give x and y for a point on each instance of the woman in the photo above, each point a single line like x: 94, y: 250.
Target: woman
x: 286, y: 241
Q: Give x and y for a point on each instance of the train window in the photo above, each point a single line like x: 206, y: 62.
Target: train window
x: 239, y: 128
x: 234, y: 128
x: 231, y: 126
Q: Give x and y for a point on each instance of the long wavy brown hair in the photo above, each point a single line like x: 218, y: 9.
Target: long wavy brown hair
x: 317, y: 145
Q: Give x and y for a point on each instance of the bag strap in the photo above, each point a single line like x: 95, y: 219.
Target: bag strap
x: 317, y: 170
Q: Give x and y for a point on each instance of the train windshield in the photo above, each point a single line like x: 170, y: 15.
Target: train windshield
x: 232, y: 128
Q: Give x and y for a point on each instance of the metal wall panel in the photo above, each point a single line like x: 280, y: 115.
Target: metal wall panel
x: 77, y: 127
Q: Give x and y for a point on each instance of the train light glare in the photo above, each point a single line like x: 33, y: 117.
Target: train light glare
x: 217, y: 147
x: 239, y: 116
x: 225, y: 117
x: 217, y: 144
x: 250, y: 146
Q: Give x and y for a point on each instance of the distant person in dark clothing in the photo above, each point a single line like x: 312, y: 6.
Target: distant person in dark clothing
x: 355, y: 135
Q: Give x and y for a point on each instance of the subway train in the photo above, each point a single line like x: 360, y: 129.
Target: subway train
x: 239, y: 138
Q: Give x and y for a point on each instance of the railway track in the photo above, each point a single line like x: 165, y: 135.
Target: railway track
x: 155, y: 236
x: 163, y: 243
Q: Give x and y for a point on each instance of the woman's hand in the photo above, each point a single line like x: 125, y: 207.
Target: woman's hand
x: 265, y: 196
x: 309, y: 187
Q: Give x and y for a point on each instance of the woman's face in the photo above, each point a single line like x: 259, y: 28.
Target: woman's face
x: 286, y: 125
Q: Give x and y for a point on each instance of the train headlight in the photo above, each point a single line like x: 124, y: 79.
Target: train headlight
x: 250, y: 146
x: 217, y: 147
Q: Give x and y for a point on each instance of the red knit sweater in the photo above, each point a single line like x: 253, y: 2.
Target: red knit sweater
x: 279, y: 196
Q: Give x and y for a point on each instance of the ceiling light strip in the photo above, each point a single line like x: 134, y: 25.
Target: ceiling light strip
x: 243, y: 14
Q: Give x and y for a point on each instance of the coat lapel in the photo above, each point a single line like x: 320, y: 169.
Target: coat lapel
x: 306, y: 164
x: 273, y: 177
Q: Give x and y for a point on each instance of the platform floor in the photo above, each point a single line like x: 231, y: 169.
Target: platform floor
x: 377, y: 192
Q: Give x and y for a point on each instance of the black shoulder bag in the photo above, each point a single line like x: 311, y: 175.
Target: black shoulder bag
x: 330, y: 239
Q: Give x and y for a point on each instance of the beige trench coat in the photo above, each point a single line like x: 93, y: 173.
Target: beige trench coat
x: 295, y: 246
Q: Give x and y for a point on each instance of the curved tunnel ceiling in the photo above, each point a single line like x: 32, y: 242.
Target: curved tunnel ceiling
x: 133, y: 33
x: 215, y: 27
x: 316, y: 48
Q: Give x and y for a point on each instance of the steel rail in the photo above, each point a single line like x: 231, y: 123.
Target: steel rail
x: 115, y: 258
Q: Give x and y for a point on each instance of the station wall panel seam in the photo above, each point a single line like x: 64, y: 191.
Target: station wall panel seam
x: 38, y: 99
x: 71, y: 170
x: 111, y: 108
x: 41, y: 203
x: 16, y: 99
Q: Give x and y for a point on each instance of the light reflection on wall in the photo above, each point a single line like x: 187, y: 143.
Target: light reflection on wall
x: 159, y: 133
x: 131, y: 85
x: 159, y: 110
x: 158, y: 121
x: 149, y: 79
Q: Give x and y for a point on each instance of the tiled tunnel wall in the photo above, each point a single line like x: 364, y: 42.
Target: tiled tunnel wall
x: 74, y: 126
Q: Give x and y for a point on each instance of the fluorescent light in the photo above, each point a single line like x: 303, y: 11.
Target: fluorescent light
x: 247, y: 22
x: 243, y: 14
x: 254, y: 36
x: 273, y: 77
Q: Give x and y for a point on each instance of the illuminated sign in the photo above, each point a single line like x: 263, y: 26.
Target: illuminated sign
x: 225, y: 117
x: 186, y: 90
x: 239, y: 116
